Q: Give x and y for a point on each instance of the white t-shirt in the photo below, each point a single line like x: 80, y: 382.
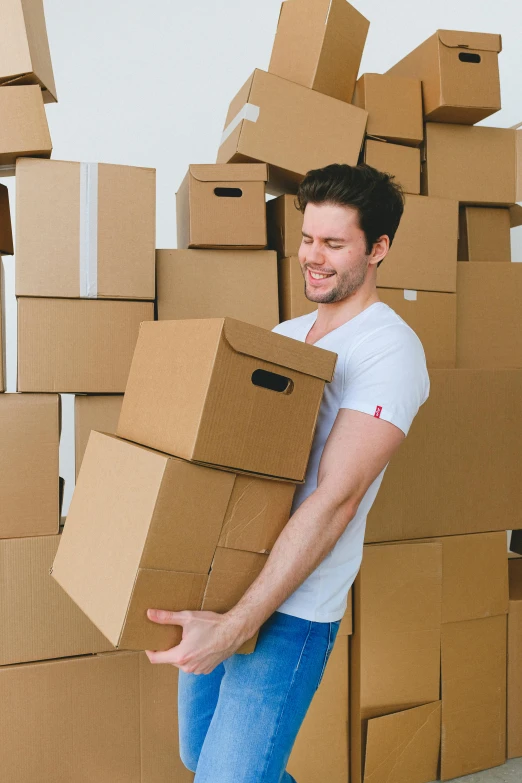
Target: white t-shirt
x: 381, y: 371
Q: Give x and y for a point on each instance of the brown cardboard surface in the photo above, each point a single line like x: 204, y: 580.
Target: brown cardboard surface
x: 6, y: 234
x: 321, y: 749
x: 292, y: 299
x: 459, y: 73
x: 55, y: 210
x: 403, y: 162
x: 29, y: 481
x: 484, y: 234
x: 222, y: 206
x: 319, y: 44
x: 394, y: 106
x: 448, y: 448
x: 37, y: 619
x: 488, y: 312
x: 281, y: 110
x: 239, y: 284
x: 433, y: 317
x: 24, y: 130
x: 2, y: 330
x: 514, y: 677
x: 231, y: 574
x: 284, y: 224
x: 77, y: 345
x: 473, y: 696
x: 423, y: 256
x: 205, y: 406
x: 93, y: 412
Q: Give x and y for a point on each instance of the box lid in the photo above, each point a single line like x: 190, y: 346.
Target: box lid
x: 229, y: 172
x: 487, y: 42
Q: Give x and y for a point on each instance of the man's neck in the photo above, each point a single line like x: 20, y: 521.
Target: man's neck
x: 334, y: 314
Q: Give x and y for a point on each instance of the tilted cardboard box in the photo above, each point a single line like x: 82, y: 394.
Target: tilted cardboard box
x: 223, y: 392
x: 238, y: 284
x: 93, y: 412
x: 284, y: 224
x: 25, y: 57
x: 319, y: 44
x: 514, y: 656
x: 77, y: 345
x: 484, y: 234
x: 265, y: 123
x: 459, y: 73
x: 6, y: 234
x: 394, y: 106
x: 29, y: 480
x: 403, y: 162
x: 292, y: 298
x: 222, y: 206
x: 85, y: 230
x: 24, y: 129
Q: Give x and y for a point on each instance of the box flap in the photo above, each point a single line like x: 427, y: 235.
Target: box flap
x: 229, y: 172
x: 280, y: 350
x: 487, y: 42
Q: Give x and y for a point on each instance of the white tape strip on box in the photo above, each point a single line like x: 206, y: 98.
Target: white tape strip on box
x: 249, y: 112
x: 410, y: 295
x: 89, y: 230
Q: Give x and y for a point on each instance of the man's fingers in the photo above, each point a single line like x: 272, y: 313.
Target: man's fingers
x: 161, y: 656
x: 163, y: 617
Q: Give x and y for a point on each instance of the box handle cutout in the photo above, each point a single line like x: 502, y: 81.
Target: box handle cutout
x: 468, y: 57
x: 228, y: 192
x: 272, y: 381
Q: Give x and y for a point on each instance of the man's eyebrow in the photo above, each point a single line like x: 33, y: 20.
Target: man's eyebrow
x: 325, y: 239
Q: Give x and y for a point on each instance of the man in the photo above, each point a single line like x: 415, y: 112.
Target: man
x: 238, y: 722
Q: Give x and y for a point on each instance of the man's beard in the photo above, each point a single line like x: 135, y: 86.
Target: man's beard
x: 347, y: 285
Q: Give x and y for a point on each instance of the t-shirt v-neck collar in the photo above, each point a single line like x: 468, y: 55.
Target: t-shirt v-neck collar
x: 341, y: 326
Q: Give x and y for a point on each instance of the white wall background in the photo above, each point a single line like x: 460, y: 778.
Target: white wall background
x: 148, y: 84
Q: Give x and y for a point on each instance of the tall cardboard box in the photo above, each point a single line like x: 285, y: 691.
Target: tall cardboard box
x: 484, y: 234
x: 394, y: 106
x: 6, y: 234
x: 265, y: 124
x: 284, y: 225
x: 29, y: 480
x: 222, y: 206
x: 514, y: 679
x: 77, y: 345
x: 319, y: 44
x: 24, y: 129
x: 238, y: 284
x: 224, y: 392
x: 25, y: 57
x: 93, y: 412
x: 85, y: 230
x: 459, y: 73
x: 404, y: 163
x: 292, y: 298
x: 2, y: 331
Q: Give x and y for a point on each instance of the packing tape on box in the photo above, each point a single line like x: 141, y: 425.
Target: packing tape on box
x: 89, y: 230
x: 410, y: 295
x: 249, y: 112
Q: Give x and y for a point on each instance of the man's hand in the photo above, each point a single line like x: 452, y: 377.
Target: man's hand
x: 208, y: 639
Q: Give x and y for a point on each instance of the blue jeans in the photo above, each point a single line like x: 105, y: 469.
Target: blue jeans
x: 238, y: 724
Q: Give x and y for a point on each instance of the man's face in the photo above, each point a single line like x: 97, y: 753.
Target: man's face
x: 332, y: 254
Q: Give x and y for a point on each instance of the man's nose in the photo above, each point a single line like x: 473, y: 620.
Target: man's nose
x: 313, y: 253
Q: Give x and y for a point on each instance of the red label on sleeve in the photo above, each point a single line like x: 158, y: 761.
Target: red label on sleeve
x: 378, y: 411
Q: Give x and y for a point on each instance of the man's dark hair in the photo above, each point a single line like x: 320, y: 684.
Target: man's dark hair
x: 378, y: 200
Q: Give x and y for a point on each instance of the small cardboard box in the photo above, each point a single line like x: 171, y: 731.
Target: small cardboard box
x: 2, y: 331
x: 489, y: 304
x: 514, y: 657
x: 238, y: 284
x: 448, y: 448
x: 224, y: 392
x: 394, y: 106
x: 25, y: 57
x: 403, y: 162
x: 459, y: 73
x: 284, y: 225
x: 24, y: 129
x: 77, y: 345
x: 484, y: 234
x: 423, y: 256
x: 144, y: 530
x: 93, y: 412
x: 292, y: 298
x: 6, y: 233
x: 85, y: 230
x: 265, y: 123
x: 319, y: 44
x: 433, y: 317
x: 29, y: 479
x: 473, y: 671
x: 222, y: 206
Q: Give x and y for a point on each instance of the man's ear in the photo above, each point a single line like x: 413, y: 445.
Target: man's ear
x: 380, y: 249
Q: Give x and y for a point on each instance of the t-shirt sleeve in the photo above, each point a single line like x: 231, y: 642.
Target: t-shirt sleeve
x: 386, y: 376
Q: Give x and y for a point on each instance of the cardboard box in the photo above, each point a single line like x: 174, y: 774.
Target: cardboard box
x: 433, y: 316
x: 239, y: 284
x: 24, y: 130
x: 321, y: 749
x: 77, y: 345
x: 223, y: 392
x: 473, y: 696
x: 284, y: 225
x: 93, y: 412
x: 319, y: 44
x: 394, y: 106
x: 488, y: 312
x: 38, y: 620
x: 448, y: 448
x: 85, y: 230
x: 142, y: 532
x: 6, y: 234
x: 25, y: 57
x: 472, y: 165
x: 265, y: 123
x: 484, y: 234
x: 292, y: 299
x: 29, y: 480
x: 423, y: 256
x: 459, y: 73
x: 2, y: 331
x: 514, y: 657
x: 403, y: 162
x: 222, y: 206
